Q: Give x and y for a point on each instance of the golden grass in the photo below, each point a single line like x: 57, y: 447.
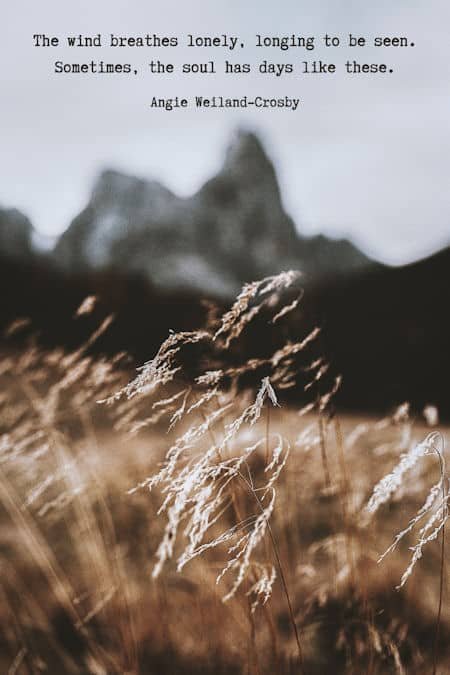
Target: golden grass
x: 245, y: 539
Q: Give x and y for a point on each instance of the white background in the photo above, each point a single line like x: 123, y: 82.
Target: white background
x: 366, y: 157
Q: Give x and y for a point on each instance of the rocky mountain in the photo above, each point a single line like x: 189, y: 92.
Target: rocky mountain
x: 232, y: 230
x: 15, y: 235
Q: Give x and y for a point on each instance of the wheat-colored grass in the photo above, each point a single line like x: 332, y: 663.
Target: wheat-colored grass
x: 190, y: 520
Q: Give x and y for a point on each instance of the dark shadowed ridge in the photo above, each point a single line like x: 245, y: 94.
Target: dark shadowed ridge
x: 388, y: 332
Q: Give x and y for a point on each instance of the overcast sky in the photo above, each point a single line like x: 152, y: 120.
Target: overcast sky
x: 366, y: 157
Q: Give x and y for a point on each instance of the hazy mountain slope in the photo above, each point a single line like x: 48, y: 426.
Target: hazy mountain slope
x: 15, y: 234
x: 232, y: 230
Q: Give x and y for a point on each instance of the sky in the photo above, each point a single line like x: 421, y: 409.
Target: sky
x: 366, y: 157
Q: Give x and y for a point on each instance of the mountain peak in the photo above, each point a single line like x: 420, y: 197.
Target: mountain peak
x: 246, y: 151
x: 115, y: 186
x: 232, y: 230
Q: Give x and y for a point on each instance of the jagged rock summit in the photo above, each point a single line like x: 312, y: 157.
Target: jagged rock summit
x: 232, y: 230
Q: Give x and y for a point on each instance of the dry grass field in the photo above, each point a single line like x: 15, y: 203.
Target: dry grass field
x: 191, y: 522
